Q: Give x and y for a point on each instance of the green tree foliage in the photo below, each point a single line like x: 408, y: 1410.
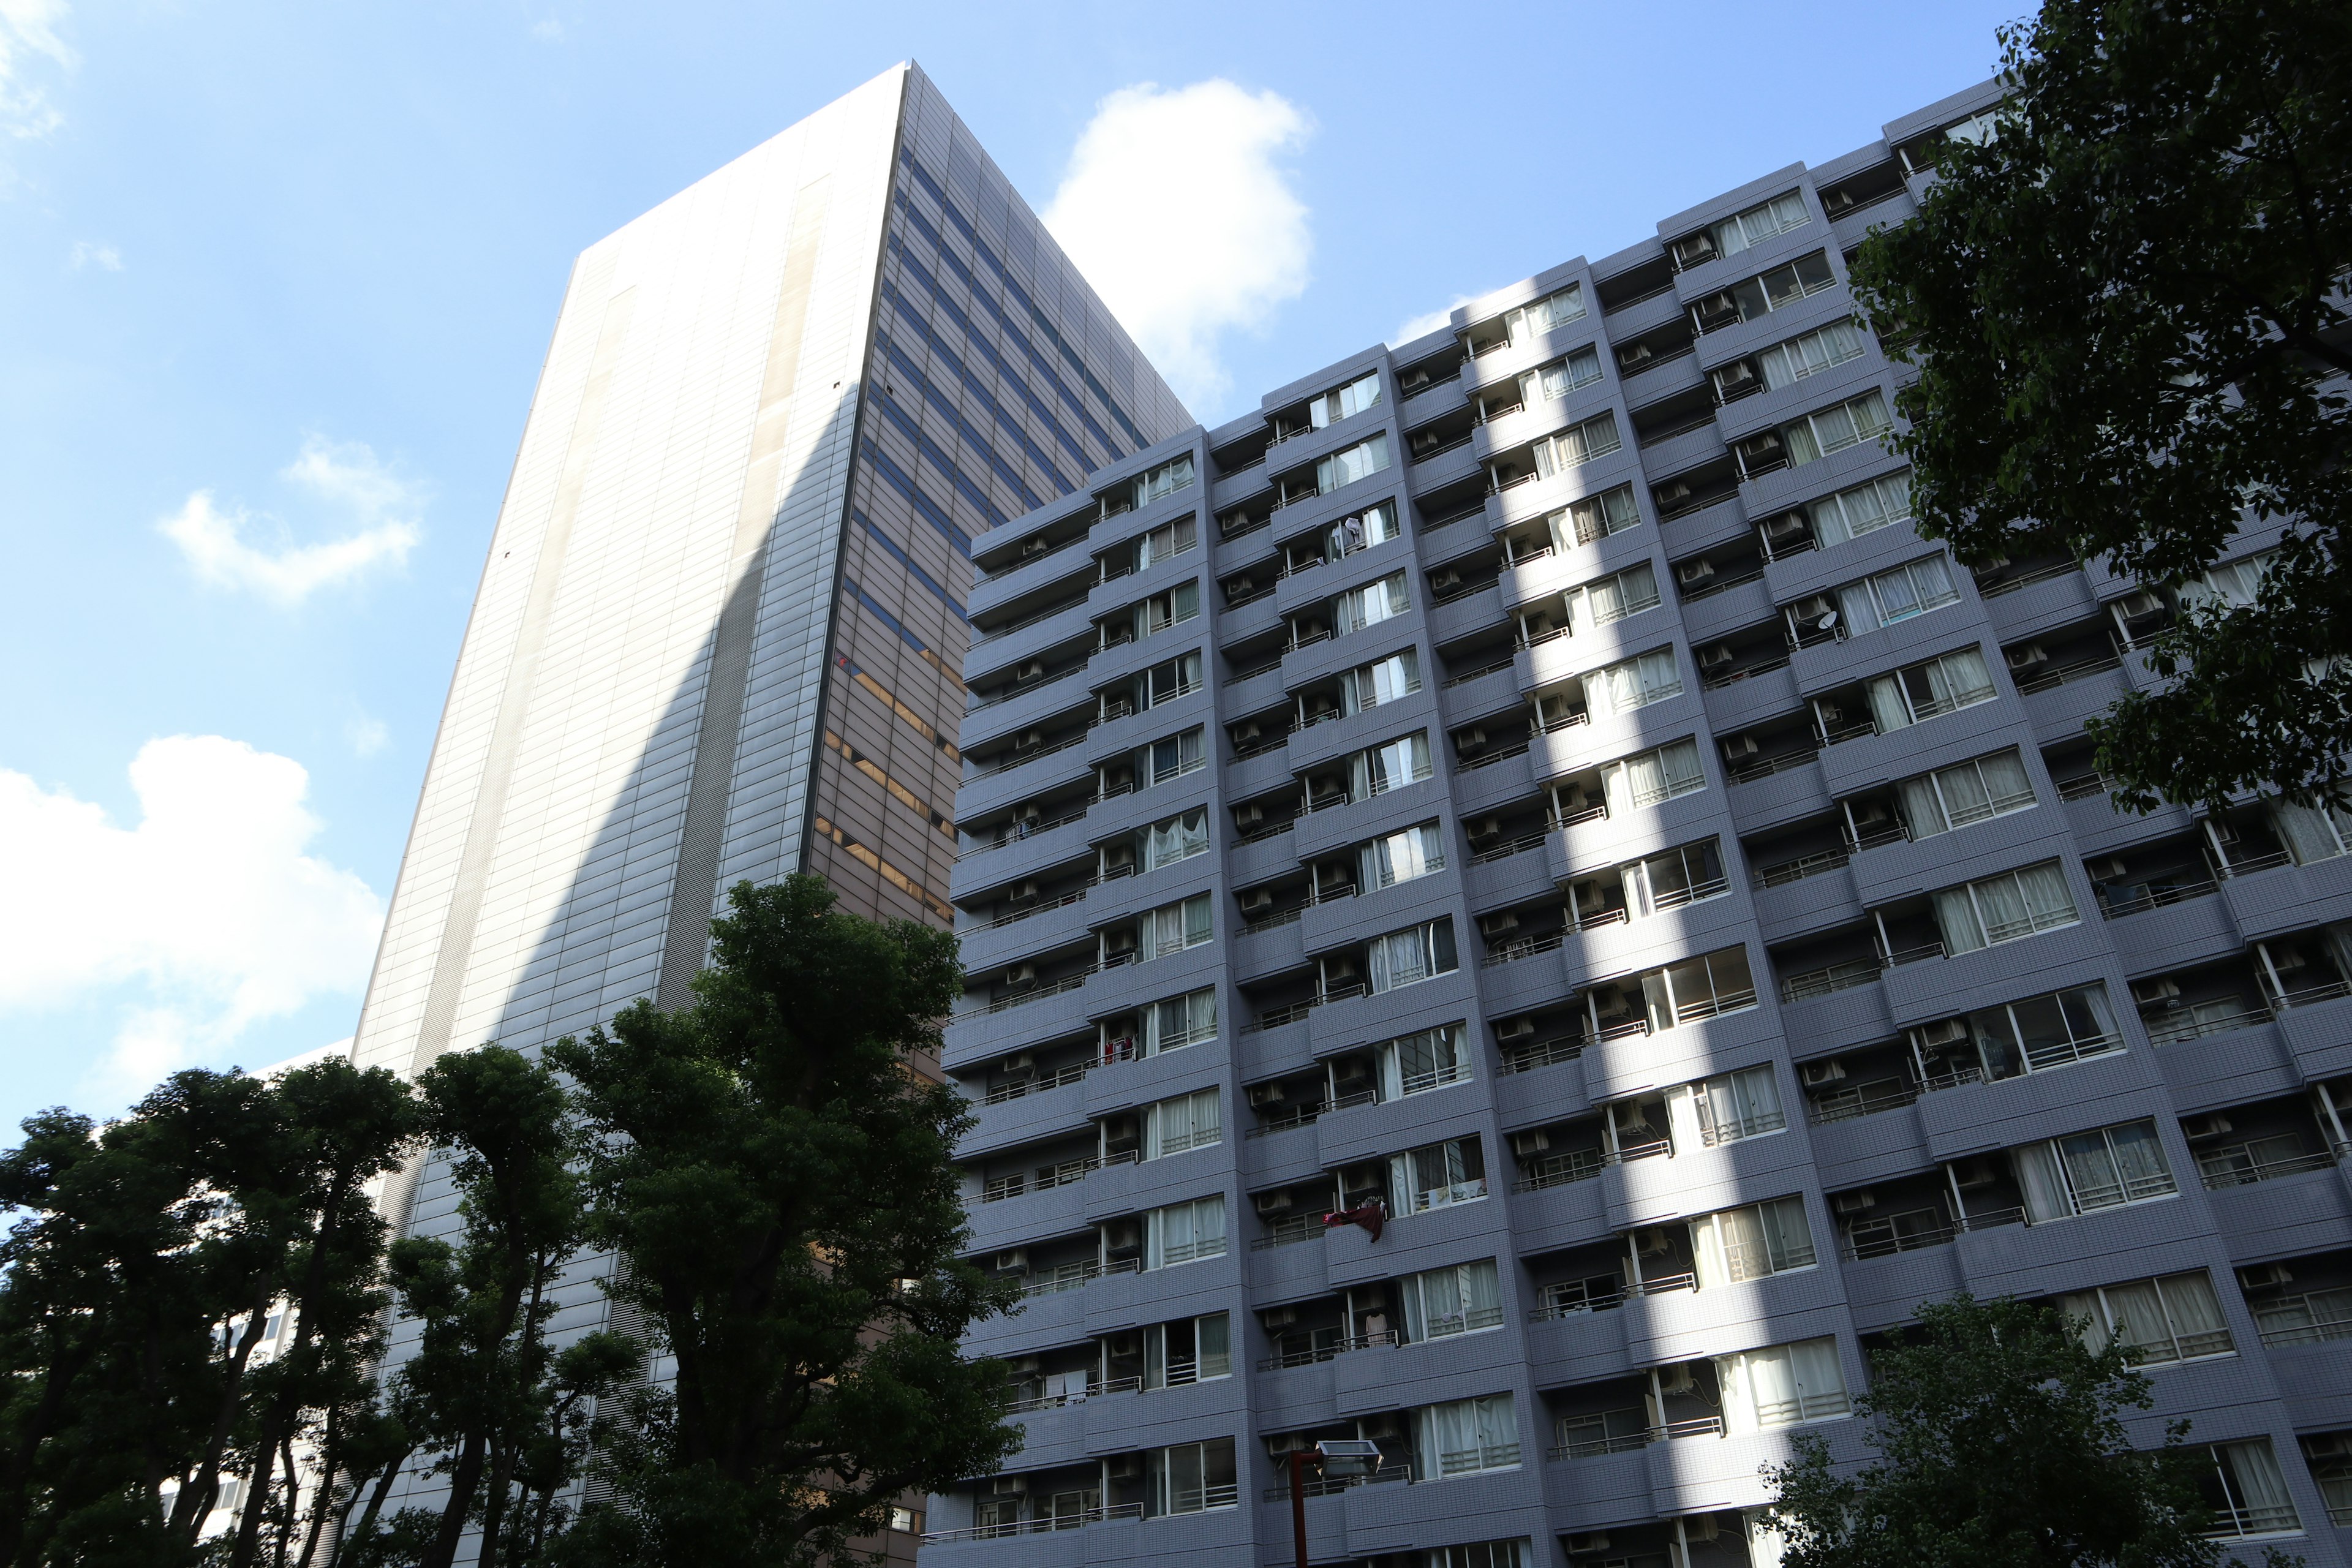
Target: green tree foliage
x: 777, y: 1183
x: 2126, y: 307
x: 2002, y: 1445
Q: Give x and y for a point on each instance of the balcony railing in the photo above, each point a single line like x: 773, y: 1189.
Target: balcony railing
x: 1765, y: 767
x: 1559, y: 1170
x: 2210, y: 1018
x: 1816, y: 865
x: 2305, y: 1320
x: 1541, y: 1053
x: 1021, y: 1087
x: 1072, y: 1521
x: 2064, y: 674
x: 1887, y: 1234
x: 1585, y: 1448
x: 2239, y: 1166
x: 1469, y: 674
x: 1021, y: 830
x: 1829, y: 979
x: 2157, y: 898
x: 1860, y: 1099
x: 1074, y: 1276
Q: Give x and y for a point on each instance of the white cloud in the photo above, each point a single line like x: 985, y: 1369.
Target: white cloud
x: 1175, y: 208
x: 348, y: 477
x: 367, y: 736
x: 28, y: 34
x: 89, y: 253
x: 204, y: 919
x: 548, y: 31
x: 1422, y: 326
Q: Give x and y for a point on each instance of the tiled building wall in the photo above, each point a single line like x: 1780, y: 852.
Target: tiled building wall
x: 2208, y: 942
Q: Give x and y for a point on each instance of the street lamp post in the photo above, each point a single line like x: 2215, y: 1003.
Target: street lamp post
x: 1344, y: 1459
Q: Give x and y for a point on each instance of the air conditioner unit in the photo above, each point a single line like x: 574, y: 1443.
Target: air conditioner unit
x: 1474, y: 736
x: 1249, y: 816
x: 1124, y: 1466
x: 1734, y: 376
x: 2222, y: 831
x: 1014, y: 1260
x: 1699, y: 1527
x: 1815, y: 1074
x: 1123, y: 1235
x: 1273, y: 1203
x: 1021, y: 975
x: 1496, y: 925
x: 1831, y: 713
x: 1010, y: 1486
x: 1265, y: 1094
x: 1870, y: 814
x: 1282, y: 1445
x: 1448, y: 578
x: 1379, y: 1427
x: 1025, y: 1365
x: 1944, y: 1031
x: 1788, y: 525
x: 1651, y: 1241
x: 1019, y: 1062
x: 1671, y: 494
x: 1633, y: 358
x: 1853, y: 1202
x: 1676, y: 1379
x: 1022, y: 892
x: 2025, y: 655
x: 2327, y: 1447
x: 1033, y: 546
x: 1244, y: 733
x: 2141, y: 603
x: 1526, y: 1143
x: 1515, y: 1029
x: 2287, y: 959
x: 2265, y: 1277
x: 1975, y: 1173
x: 2108, y: 870
x: 2153, y: 993
x: 1121, y: 1346
x: 1586, y: 1545
x: 1697, y: 571
x: 1278, y: 1317
x: 1815, y: 606
x: 1491, y: 828
x: 1742, y: 746
x: 1119, y: 942
x: 2197, y: 1129
x: 1031, y: 738
x: 1716, y: 657
x: 1340, y: 968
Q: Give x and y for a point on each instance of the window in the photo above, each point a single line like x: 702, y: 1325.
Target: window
x: 1480, y: 1554
x: 1360, y: 461
x: 1727, y: 1108
x: 1186, y: 1232
x: 1578, y: 445
x: 1697, y: 989
x: 1330, y: 407
x: 1179, y: 1021
x: 1175, y: 756
x: 1436, y: 1176
x: 1785, y: 364
x: 1163, y: 682
x: 2312, y: 833
x: 1415, y: 955
x: 1782, y: 1385
x: 2230, y: 587
x: 2248, y: 1493
x: 1173, y: 927
x: 1443, y: 1302
x: 1186, y: 1122
x: 2175, y: 1318
x: 1978, y: 128
x: 1776, y: 290
x: 1751, y: 1242
x: 1166, y: 479
x: 1464, y: 1436
x: 2033, y: 1035
x: 2096, y: 1170
x: 1418, y: 1062
x: 1190, y: 1350
x: 1401, y: 856
x: 1687, y: 874
x: 1560, y: 377
x: 1595, y: 517
x: 1865, y: 509
x: 2004, y: 908
x: 902, y: 1519
x: 1614, y: 597
x: 1649, y: 777
x: 1161, y: 611
x: 1380, y: 769
x: 1178, y: 838
x: 1759, y: 223
x: 1975, y: 790
x: 1634, y: 683
x: 1166, y: 541
x: 1382, y: 680
x: 1555, y: 309
x: 1373, y: 525
x: 1370, y: 605
x: 1193, y: 1478
x: 1927, y: 690
x: 1836, y: 427
x: 1912, y: 589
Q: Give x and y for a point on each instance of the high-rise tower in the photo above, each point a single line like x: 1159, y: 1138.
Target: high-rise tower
x: 720, y: 631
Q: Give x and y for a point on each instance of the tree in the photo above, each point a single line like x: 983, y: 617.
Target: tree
x: 2002, y: 1445
x: 2128, y: 309
x: 777, y: 1183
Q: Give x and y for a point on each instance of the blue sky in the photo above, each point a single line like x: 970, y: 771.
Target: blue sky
x: 275, y: 282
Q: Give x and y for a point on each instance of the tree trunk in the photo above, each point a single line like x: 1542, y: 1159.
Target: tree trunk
x: 463, y: 1483
x: 186, y: 1519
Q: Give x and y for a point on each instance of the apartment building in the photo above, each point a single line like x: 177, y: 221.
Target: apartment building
x: 1518, y: 911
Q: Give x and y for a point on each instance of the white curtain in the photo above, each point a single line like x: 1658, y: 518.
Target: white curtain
x: 1188, y: 1122
x: 1181, y: 1233
x: 1360, y: 461
x: 1401, y: 856
x: 1425, y: 1061
x: 1383, y: 768
x: 1863, y: 509
x: 1956, y: 920
x: 1923, y: 808
x: 2259, y: 1484
x: 2311, y: 835
x: 2043, y: 1183
x: 1178, y: 838
x: 1888, y: 710
x: 1633, y: 682
x: 1180, y: 1021
x: 2049, y: 903
x: 1173, y: 927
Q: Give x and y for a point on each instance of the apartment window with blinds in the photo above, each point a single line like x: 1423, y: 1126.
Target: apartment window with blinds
x: 1360, y: 461
x: 1560, y: 377
x: 1594, y: 517
x: 1370, y: 605
x: 1161, y: 611
x: 1380, y: 769
x: 1648, y: 778
x: 2084, y: 1171
x: 1176, y: 757
x: 1382, y: 680
x: 1166, y: 479
x: 1578, y: 445
x: 1759, y: 223
x: 1173, y: 927
x: 1727, y: 1108
x: 1163, y: 682
x: 1179, y: 1021
x: 1410, y: 956
x: 2232, y: 585
x: 1177, y: 838
x: 2247, y: 1492
x: 2033, y: 1035
x: 1190, y: 1350
x: 1167, y: 542
x: 1751, y: 1242
x: 1785, y: 364
x: 1886, y: 598
x: 1634, y: 683
x: 1443, y: 1302
x: 2173, y: 1318
x: 1436, y: 1176
x: 2001, y: 909
x: 1554, y: 310
x: 1929, y: 690
x: 1186, y: 1122
x: 1373, y: 525
x: 1330, y: 407
x: 1194, y: 1477
x: 1427, y: 1059
x: 1689, y: 874
x: 1975, y: 790
x: 1399, y: 856
x: 1616, y: 596
x: 1186, y: 1232
x: 1775, y: 290
x: 1865, y: 509
x: 1782, y: 1385
x: 1836, y: 427
x: 1464, y: 1437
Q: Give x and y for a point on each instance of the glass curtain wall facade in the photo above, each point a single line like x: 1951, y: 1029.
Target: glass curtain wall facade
x: 1516, y: 909
x: 720, y: 631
